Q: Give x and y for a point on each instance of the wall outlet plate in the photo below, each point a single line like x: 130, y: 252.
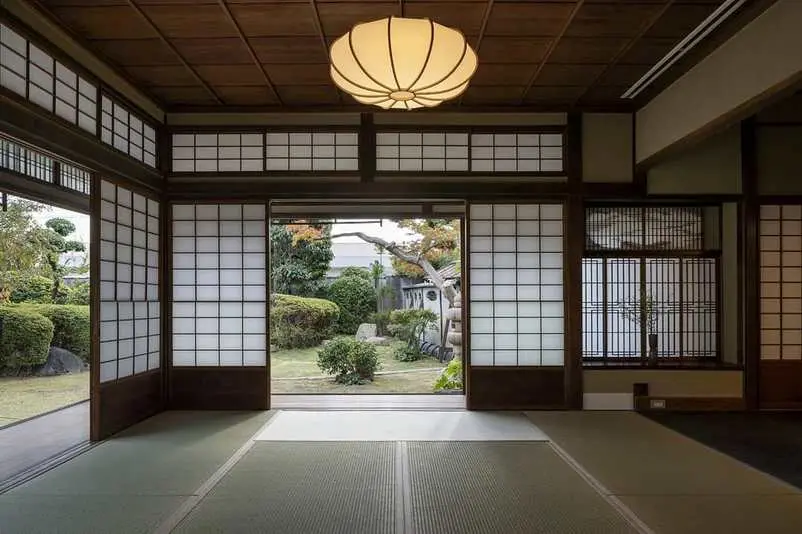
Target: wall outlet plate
x: 657, y: 403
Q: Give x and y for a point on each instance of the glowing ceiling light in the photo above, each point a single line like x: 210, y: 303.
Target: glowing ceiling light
x: 401, y: 63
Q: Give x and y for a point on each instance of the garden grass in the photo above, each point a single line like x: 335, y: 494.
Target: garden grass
x: 419, y: 376
x: 21, y: 398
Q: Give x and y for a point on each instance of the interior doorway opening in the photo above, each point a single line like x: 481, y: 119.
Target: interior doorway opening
x: 364, y: 299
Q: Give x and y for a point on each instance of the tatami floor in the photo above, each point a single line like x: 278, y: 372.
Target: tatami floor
x: 402, y: 471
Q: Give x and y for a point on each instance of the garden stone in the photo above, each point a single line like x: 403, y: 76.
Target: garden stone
x: 366, y: 331
x: 377, y: 340
x: 59, y: 362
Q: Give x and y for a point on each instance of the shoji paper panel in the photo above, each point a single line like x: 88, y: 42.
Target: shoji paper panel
x: 516, y: 285
x: 130, y: 319
x: 417, y: 151
x: 127, y: 132
x: 219, y: 285
x: 781, y: 282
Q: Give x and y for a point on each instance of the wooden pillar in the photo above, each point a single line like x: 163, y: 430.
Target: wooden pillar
x: 750, y: 265
x: 574, y: 247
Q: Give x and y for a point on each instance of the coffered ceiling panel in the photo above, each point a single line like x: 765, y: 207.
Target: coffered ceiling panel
x: 555, y: 54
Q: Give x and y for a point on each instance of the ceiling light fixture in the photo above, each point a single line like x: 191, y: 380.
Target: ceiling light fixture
x: 402, y: 63
x: 722, y: 13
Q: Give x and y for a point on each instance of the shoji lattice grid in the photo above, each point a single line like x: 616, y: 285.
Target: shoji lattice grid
x: 32, y: 73
x: 218, y: 152
x: 527, y: 152
x: 308, y: 151
x: 435, y: 151
x: 516, y: 285
x: 18, y: 158
x: 781, y: 282
x: 129, y: 283
x: 219, y: 285
x: 127, y: 132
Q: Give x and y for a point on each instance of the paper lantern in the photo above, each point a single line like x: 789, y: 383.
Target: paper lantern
x: 402, y: 63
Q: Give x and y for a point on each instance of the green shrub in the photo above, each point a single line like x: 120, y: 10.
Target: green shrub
x: 356, y: 298
x: 29, y: 288
x: 77, y: 294
x: 300, y: 322
x: 72, y: 329
x: 349, y: 360
x: 25, y: 338
x: 451, y: 377
x: 359, y: 272
x: 409, y: 326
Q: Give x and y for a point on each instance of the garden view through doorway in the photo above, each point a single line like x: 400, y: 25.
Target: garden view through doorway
x: 365, y: 306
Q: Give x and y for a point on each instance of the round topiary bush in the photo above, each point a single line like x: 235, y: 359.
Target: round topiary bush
x: 356, y: 298
x: 350, y: 361
x: 25, y: 338
x: 72, y: 327
x: 300, y: 322
x: 29, y: 288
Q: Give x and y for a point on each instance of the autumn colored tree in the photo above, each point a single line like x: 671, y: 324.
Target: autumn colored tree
x: 300, y: 255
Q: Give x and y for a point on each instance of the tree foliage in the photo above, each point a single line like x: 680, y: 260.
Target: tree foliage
x: 300, y: 256
x: 23, y: 244
x: 356, y: 298
x: 55, y: 235
x: 435, y: 240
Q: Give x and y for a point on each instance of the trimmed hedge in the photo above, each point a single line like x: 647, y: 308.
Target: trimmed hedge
x: 25, y: 338
x: 72, y: 327
x: 356, y: 298
x: 300, y: 322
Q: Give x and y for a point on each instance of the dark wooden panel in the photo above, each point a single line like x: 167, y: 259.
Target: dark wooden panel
x: 126, y: 402
x: 291, y: 50
x: 611, y: 20
x: 690, y: 404
x: 219, y: 388
x: 166, y: 75
x: 226, y: 75
x: 587, y: 50
x: 465, y: 16
x: 247, y: 95
x: 780, y: 384
x: 516, y: 388
x: 493, y: 95
x: 219, y: 51
x: 105, y: 22
x: 513, y: 49
x: 275, y: 19
x: 337, y: 19
x: 497, y: 74
x: 191, y: 22
x: 528, y: 18
x: 569, y: 74
x: 194, y: 95
x: 137, y: 52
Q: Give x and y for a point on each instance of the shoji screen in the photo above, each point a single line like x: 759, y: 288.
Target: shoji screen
x: 129, y: 283
x: 219, y: 285
x: 781, y: 282
x: 516, y: 285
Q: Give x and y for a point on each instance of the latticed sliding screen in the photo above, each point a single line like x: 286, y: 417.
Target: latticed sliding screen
x: 308, y: 151
x: 130, y: 323
x: 469, y: 152
x: 20, y: 159
x: 781, y: 282
x: 218, y: 152
x: 680, y: 307
x: 219, y: 285
x: 434, y: 151
x: 516, y: 285
x: 127, y: 132
x: 32, y: 73
x: 650, y: 283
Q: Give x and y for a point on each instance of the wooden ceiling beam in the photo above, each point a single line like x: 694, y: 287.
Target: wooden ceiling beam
x: 175, y: 51
x: 650, y: 22
x: 323, y: 41
x: 482, y: 28
x: 552, y: 47
x: 227, y: 10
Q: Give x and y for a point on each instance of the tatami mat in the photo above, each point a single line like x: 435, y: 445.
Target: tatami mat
x: 672, y: 483
x: 420, y: 487
x: 400, y: 426
x: 128, y: 483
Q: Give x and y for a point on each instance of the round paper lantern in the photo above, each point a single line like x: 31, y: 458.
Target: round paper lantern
x: 401, y: 63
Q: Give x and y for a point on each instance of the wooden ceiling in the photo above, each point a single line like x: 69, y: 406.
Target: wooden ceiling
x: 556, y: 54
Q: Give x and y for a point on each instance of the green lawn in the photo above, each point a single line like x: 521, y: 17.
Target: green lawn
x: 296, y: 371
x: 21, y: 398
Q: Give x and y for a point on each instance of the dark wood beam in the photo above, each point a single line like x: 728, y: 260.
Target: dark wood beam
x: 33, y: 189
x: 230, y: 16
x: 574, y: 248
x: 650, y: 22
x: 482, y: 29
x: 324, y: 42
x: 175, y: 51
x: 550, y: 50
x: 750, y: 264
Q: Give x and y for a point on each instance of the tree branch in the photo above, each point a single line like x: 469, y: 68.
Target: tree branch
x: 448, y: 289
